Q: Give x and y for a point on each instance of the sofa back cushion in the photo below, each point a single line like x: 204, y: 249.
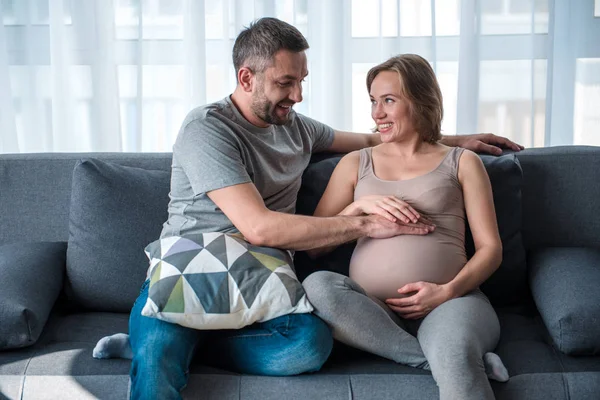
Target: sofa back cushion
x: 560, y: 196
x: 115, y: 212
x: 39, y: 186
x: 508, y: 285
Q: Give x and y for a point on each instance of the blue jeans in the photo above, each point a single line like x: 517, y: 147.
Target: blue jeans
x: 162, y: 351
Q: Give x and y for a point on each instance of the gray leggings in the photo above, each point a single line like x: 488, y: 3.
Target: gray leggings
x: 450, y: 341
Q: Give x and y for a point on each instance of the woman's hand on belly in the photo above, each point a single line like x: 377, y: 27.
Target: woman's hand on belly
x: 421, y: 298
x: 389, y: 207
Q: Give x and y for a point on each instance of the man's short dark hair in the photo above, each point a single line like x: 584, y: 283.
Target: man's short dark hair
x: 256, y: 45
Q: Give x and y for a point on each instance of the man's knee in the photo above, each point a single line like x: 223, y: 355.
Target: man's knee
x: 160, y: 352
x: 308, y: 346
x: 150, y: 360
x: 157, y: 373
x: 313, y: 342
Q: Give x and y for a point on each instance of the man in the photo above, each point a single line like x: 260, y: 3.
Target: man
x: 237, y: 166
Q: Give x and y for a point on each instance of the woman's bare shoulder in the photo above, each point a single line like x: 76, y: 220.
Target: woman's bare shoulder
x: 470, y: 157
x: 351, y: 159
x: 347, y: 168
x: 470, y: 166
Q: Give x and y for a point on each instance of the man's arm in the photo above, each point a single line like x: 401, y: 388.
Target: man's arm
x: 345, y: 142
x: 245, y: 208
x: 481, y: 143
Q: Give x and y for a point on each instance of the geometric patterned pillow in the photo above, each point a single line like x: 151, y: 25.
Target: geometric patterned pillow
x: 220, y: 281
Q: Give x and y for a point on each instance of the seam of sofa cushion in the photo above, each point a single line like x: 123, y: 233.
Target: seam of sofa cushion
x: 558, y: 352
x: 350, y: 388
x: 22, y: 389
x: 27, y: 316
x: 561, y: 347
x: 565, y: 386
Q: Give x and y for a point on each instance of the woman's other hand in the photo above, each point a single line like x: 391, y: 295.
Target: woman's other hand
x: 421, y: 298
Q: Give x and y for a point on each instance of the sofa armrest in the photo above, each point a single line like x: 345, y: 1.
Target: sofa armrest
x: 31, y: 277
x: 565, y: 284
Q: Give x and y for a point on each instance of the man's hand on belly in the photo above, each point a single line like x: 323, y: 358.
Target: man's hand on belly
x: 421, y: 298
x: 381, y: 228
x: 389, y: 207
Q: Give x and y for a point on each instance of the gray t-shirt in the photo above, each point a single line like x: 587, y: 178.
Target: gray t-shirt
x: 217, y: 147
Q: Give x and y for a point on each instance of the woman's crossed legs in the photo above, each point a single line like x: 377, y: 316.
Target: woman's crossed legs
x: 454, y: 341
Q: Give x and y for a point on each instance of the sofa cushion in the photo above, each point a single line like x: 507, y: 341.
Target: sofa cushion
x: 115, y: 212
x: 220, y: 281
x: 508, y: 284
x: 314, y: 182
x: 560, y: 196
x: 32, y: 275
x: 565, y: 286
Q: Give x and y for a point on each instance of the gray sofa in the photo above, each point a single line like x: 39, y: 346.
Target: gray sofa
x: 71, y: 262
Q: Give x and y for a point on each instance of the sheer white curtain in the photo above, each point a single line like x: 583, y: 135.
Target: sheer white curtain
x: 120, y: 75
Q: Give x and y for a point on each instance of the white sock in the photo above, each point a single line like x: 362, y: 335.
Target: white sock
x: 115, y: 346
x: 494, y: 367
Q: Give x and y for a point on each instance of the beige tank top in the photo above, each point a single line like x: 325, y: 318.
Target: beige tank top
x: 382, y: 266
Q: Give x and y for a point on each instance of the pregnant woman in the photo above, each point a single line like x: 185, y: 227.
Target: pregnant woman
x: 414, y: 298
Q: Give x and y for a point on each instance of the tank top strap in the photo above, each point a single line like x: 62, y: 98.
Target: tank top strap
x: 450, y: 163
x: 365, y: 167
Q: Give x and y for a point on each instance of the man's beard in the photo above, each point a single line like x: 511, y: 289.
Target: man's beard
x: 264, y: 109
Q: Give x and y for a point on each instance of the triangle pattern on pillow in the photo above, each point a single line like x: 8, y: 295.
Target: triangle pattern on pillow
x: 212, y: 290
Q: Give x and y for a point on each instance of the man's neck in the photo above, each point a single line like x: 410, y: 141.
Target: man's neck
x: 241, y: 101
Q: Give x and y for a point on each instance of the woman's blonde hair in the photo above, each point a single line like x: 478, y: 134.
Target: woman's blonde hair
x: 420, y: 87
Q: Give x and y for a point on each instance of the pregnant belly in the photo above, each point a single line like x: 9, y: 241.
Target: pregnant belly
x: 382, y: 266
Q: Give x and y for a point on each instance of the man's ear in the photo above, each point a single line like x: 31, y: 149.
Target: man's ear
x: 246, y: 78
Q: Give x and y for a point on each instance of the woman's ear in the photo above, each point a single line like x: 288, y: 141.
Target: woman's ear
x: 246, y: 79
